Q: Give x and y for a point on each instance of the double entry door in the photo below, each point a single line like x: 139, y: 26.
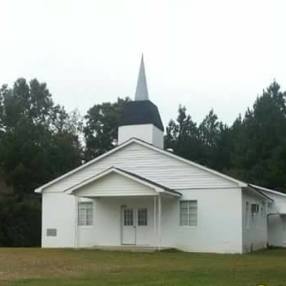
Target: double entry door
x: 133, y: 222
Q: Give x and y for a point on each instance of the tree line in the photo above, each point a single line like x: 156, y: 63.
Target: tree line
x: 40, y: 140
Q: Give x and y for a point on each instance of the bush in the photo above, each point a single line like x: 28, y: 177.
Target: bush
x: 20, y: 221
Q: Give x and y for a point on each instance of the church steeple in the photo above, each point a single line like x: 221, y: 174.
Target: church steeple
x: 141, y: 88
x: 141, y: 118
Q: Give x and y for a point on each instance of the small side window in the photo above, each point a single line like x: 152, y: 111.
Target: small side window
x: 254, y: 209
x: 85, y: 213
x: 189, y: 213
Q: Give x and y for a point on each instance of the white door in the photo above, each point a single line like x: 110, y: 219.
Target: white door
x: 128, y: 226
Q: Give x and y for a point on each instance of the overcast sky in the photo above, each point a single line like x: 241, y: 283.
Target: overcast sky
x: 216, y: 54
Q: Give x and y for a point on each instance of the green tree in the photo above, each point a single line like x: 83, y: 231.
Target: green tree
x: 210, y: 131
x: 182, y: 136
x: 259, y: 141
x: 100, y: 131
x: 202, y: 143
x: 253, y: 149
x: 38, y: 142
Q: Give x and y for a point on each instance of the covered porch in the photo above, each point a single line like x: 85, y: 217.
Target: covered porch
x: 127, y: 211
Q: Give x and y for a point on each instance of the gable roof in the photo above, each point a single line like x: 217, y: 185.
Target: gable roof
x: 126, y: 174
x: 147, y: 145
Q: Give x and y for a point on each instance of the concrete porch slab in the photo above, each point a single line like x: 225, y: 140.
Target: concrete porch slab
x: 130, y: 248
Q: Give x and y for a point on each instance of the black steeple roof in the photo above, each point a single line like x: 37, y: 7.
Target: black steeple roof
x: 141, y: 112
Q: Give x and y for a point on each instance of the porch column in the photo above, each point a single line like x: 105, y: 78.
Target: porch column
x: 76, y: 222
x: 155, y: 219
x: 159, y: 220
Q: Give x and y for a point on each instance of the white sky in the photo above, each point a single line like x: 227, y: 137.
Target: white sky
x: 202, y: 54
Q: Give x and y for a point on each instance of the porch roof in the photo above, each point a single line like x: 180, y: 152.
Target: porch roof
x: 158, y: 188
x: 260, y: 191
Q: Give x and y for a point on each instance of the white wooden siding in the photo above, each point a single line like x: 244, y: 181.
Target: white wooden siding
x: 277, y: 220
x: 58, y: 212
x: 219, y: 222
x: 254, y: 228
x: 115, y: 185
x: 150, y: 164
x: 277, y: 230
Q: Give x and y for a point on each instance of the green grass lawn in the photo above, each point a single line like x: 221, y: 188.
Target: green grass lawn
x: 33, y: 266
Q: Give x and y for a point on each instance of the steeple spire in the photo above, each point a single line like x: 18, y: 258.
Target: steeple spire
x: 141, y: 89
x: 141, y: 118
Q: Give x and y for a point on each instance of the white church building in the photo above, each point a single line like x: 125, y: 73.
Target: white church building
x: 140, y: 195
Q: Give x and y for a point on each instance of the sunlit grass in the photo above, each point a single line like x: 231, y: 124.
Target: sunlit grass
x: 24, y: 266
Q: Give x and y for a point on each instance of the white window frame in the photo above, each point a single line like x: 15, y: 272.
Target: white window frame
x: 142, y: 217
x: 85, y: 214
x: 190, y: 218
